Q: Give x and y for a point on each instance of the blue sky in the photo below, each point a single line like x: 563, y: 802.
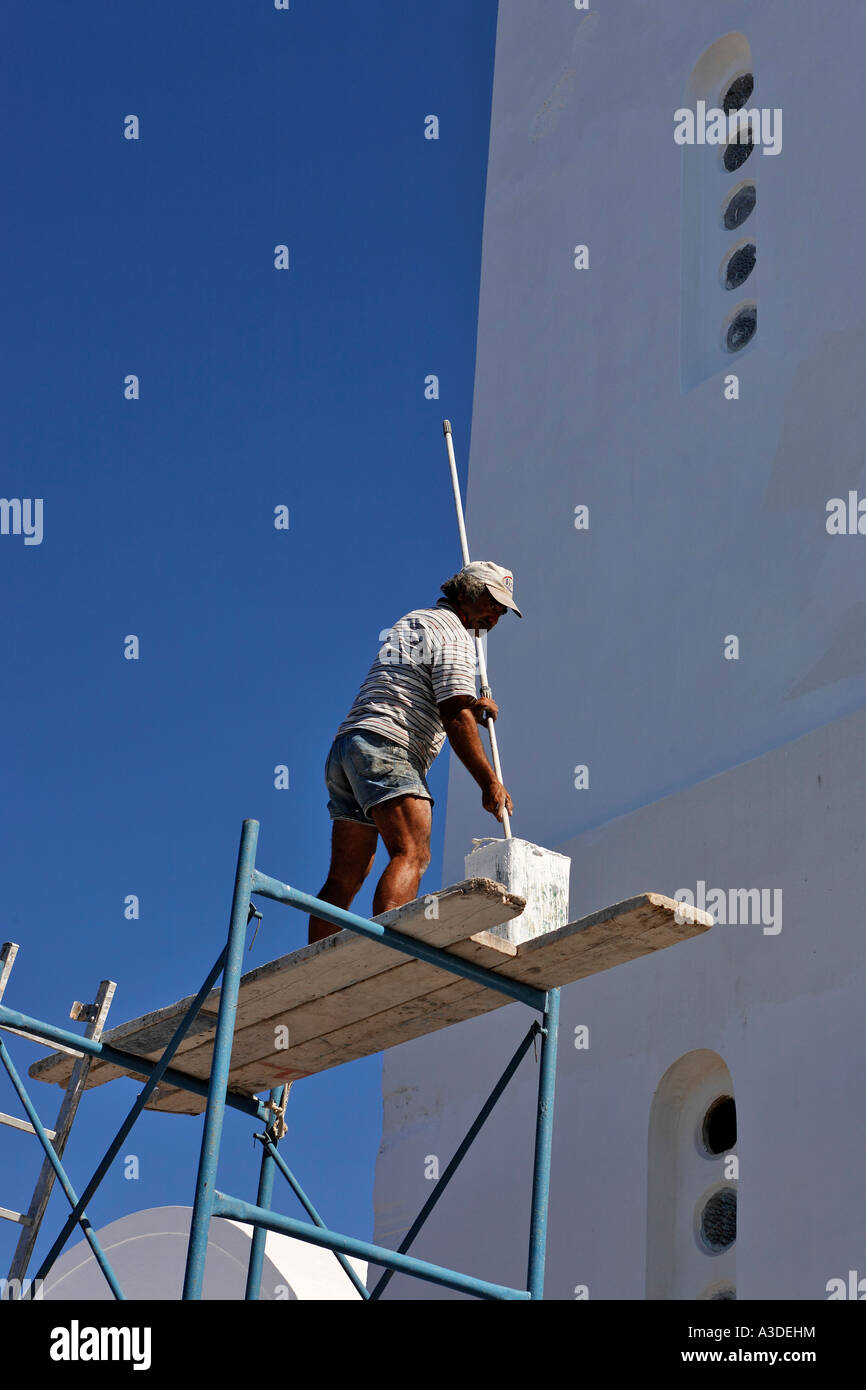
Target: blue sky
x: 258, y: 388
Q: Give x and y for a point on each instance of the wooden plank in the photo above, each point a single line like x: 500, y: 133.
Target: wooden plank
x: 612, y: 936
x: 14, y: 1123
x: 378, y: 1004
x: 16, y: 1216
x: 8, y: 952
x: 170, y: 1100
x: 55, y: 1069
x: 312, y: 972
x: 43, y: 1042
x: 411, y: 1019
x: 405, y: 981
x: 260, y: 1074
x: 409, y: 979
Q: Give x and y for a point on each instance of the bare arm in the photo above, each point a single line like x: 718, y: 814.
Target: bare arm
x: 461, y: 728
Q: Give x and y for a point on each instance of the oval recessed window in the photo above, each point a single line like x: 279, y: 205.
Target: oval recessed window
x: 738, y: 93
x: 742, y: 328
x: 737, y: 153
x: 740, y: 266
x: 739, y: 206
x: 719, y: 1130
x: 719, y: 1221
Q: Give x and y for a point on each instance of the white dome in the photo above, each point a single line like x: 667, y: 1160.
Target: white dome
x: 147, y: 1251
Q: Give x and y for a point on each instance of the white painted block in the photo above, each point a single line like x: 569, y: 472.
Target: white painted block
x: 536, y: 874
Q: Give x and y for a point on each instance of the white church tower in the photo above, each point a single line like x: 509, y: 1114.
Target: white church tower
x: 667, y: 448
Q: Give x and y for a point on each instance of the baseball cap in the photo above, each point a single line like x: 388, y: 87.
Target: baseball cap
x: 499, y: 581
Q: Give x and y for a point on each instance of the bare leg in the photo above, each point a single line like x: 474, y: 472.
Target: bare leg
x: 353, y: 849
x: 404, y: 823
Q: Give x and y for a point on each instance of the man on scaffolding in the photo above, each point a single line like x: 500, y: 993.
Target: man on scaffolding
x: 419, y: 691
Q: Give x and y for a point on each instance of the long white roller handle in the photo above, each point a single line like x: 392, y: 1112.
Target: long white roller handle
x: 455, y: 483
x: 479, y: 647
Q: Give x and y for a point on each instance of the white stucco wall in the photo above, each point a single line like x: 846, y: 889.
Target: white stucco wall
x: 783, y: 1011
x: 707, y: 518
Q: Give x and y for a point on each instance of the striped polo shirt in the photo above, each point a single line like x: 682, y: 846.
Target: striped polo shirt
x: 427, y: 657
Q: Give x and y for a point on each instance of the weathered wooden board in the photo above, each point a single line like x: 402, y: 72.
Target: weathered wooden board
x: 609, y: 937
x: 347, y: 997
x: 317, y: 972
x: 410, y: 979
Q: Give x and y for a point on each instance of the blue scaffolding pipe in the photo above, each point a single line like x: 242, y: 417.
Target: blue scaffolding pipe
x: 90, y: 1234
x: 208, y: 1201
x: 543, y: 1148
x: 153, y: 1081
x: 249, y: 880
x: 222, y: 1052
x: 311, y: 1212
x: 263, y: 1199
x: 237, y: 1210
x: 460, y: 1154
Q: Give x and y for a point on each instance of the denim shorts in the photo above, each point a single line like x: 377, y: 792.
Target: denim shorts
x: 365, y: 768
